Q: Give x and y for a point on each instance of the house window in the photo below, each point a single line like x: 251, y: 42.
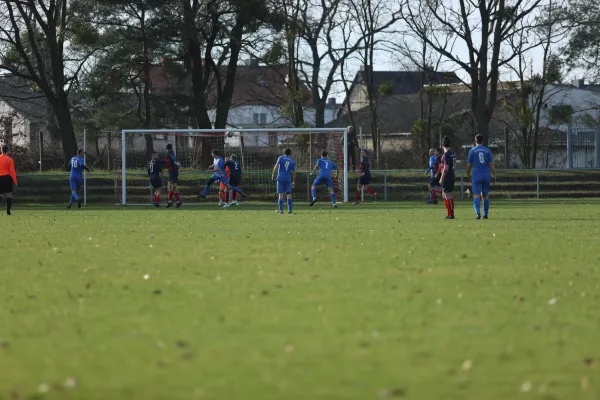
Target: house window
x: 260, y: 119
x: 262, y: 81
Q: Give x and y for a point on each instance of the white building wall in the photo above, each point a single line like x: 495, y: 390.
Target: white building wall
x: 20, y: 125
x: 585, y: 103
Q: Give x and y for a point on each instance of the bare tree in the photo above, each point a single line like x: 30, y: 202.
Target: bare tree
x: 33, y: 47
x: 481, y: 28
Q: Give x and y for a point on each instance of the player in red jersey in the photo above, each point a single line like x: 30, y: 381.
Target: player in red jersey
x: 365, y: 177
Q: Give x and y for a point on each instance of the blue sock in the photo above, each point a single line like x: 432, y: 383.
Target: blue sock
x: 430, y: 197
x: 314, y: 193
x: 280, y: 203
x: 477, y: 205
x: 75, y: 196
x: 237, y: 190
x: 486, y: 207
x: 289, y: 204
x: 333, y: 198
x: 206, y: 190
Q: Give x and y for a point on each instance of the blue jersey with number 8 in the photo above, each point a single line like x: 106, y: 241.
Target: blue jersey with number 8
x: 287, y: 166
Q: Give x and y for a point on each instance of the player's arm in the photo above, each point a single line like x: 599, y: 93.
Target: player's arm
x: 444, y: 170
x: 275, y: 170
x: 469, y: 163
x: 294, y: 178
x: 12, y: 172
x: 493, y: 170
x: 431, y: 165
x: 315, y: 169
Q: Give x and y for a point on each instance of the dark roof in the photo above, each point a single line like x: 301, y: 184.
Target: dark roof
x: 21, y: 97
x: 254, y: 83
x: 406, y: 82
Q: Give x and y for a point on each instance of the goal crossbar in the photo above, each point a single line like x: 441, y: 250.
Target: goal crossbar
x: 224, y: 132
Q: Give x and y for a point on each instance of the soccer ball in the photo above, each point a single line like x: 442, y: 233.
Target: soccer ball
x: 229, y: 134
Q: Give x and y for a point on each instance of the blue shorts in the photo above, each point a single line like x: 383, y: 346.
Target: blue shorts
x: 481, y: 187
x: 219, y: 178
x: 323, y: 180
x: 75, y: 183
x: 173, y: 176
x: 284, y: 187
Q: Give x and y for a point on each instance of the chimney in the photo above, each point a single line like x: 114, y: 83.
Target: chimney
x: 332, y: 101
x: 578, y: 83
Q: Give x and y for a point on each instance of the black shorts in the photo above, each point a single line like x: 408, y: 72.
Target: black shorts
x: 235, y: 181
x: 6, y: 184
x: 435, y: 181
x: 448, y: 185
x: 364, y: 180
x: 174, y: 177
x: 156, y: 183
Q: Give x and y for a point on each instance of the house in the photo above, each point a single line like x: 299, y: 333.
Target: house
x: 22, y: 113
x: 387, y: 83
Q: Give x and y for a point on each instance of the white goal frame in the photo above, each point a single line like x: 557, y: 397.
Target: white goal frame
x: 126, y: 132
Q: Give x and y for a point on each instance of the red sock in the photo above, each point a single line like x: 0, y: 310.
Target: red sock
x: 170, y: 195
x: 176, y: 196
x: 227, y: 196
x: 370, y: 191
x: 433, y: 195
x: 358, y: 195
x: 221, y: 195
x: 452, y: 207
x: 235, y: 196
x: 447, y: 204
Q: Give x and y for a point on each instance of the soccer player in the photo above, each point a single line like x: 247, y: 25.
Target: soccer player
x: 77, y: 165
x: 155, y: 175
x: 223, y: 194
x: 173, y: 174
x: 285, y: 168
x: 448, y: 177
x: 433, y: 170
x: 8, y: 177
x: 218, y: 170
x: 481, y: 162
x: 235, y: 178
x: 325, y: 166
x: 365, y: 177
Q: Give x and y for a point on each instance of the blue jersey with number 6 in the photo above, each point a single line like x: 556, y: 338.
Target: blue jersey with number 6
x: 480, y: 158
x: 287, y: 166
x: 326, y: 166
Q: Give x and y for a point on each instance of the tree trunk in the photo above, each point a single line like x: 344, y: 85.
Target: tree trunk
x: 147, y: 86
x: 65, y: 124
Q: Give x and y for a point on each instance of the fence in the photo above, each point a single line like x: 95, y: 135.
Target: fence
x: 52, y: 188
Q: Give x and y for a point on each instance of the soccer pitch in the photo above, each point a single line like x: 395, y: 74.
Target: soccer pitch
x: 382, y: 300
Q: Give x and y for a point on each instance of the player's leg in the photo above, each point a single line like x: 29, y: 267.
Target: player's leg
x: 289, y: 198
x: 485, y: 192
x: 447, y: 189
x: 176, y: 194
x: 214, y: 178
x: 331, y: 192
x: 221, y: 193
x: 280, y: 194
x: 233, y: 188
x: 358, y: 189
x: 366, y: 180
x: 73, y: 187
x: 8, y: 197
x: 313, y: 191
x: 476, y: 187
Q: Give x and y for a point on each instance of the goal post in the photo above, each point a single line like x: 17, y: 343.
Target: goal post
x: 255, y: 148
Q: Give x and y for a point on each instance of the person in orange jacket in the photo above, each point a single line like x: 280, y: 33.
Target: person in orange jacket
x: 8, y: 177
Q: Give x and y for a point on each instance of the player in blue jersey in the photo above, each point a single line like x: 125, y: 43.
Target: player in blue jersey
x: 155, y: 176
x: 235, y: 179
x: 173, y: 167
x: 448, y: 177
x: 77, y: 165
x: 285, y: 168
x: 218, y: 170
x: 481, y: 162
x: 326, y: 167
x: 433, y: 185
x: 365, y: 177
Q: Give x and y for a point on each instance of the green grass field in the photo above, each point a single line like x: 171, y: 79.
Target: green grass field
x: 379, y: 301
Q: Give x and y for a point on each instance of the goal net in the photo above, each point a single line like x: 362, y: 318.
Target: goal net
x: 255, y: 149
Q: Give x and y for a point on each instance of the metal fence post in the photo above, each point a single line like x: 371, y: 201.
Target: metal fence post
x: 41, y: 139
x: 569, y: 147
x: 462, y: 185
x: 537, y: 178
x: 308, y: 187
x: 597, y: 148
x: 385, y: 197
